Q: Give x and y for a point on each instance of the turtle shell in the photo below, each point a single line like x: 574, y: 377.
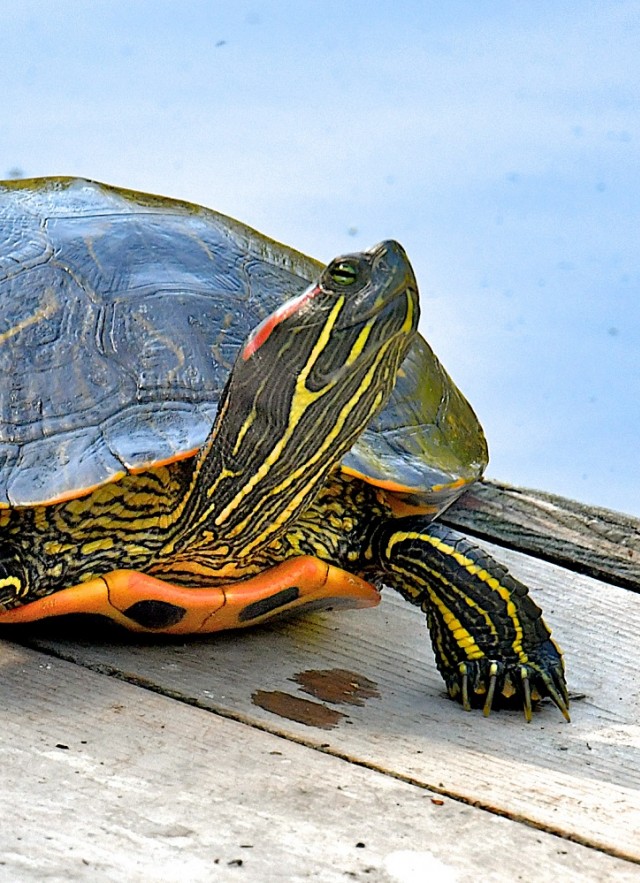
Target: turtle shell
x: 120, y: 317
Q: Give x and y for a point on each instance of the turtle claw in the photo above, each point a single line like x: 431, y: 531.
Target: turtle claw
x: 560, y: 699
x: 547, y: 672
x: 526, y: 691
x: 490, y: 683
x: 465, y: 687
x: 493, y: 677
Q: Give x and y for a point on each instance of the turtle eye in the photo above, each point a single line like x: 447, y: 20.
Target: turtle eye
x: 344, y: 273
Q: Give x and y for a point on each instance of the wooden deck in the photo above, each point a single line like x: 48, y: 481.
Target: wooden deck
x: 324, y: 748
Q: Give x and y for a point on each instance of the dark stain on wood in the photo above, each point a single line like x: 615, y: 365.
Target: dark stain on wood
x: 311, y: 714
x: 337, y: 685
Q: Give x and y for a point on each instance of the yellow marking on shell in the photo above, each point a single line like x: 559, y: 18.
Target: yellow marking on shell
x: 88, y: 241
x: 450, y: 485
x: 385, y: 484
x: 96, y: 546
x: 400, y: 508
x: 165, y: 343
x: 49, y: 306
x: 200, y: 242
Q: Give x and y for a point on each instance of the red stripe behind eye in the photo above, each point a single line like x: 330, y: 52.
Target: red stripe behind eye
x: 264, y: 329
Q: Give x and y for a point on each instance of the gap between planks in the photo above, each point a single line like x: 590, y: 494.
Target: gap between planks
x: 581, y: 781
x: 109, y: 781
x: 587, y: 539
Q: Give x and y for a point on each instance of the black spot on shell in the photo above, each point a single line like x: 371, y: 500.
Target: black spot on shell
x: 155, y: 614
x: 268, y: 605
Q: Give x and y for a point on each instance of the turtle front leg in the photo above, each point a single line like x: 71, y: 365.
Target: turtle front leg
x: 490, y: 641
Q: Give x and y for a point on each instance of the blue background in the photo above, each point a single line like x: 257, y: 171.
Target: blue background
x: 498, y: 141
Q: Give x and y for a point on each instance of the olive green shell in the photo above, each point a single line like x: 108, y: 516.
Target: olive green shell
x: 120, y: 317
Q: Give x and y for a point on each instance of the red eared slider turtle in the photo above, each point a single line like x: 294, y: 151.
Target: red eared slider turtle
x: 130, y: 325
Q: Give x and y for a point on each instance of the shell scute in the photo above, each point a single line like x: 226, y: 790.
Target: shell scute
x: 121, y: 314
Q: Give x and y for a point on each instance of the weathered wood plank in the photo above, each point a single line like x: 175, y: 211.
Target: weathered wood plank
x: 581, y: 780
x: 589, y: 540
x: 104, y: 781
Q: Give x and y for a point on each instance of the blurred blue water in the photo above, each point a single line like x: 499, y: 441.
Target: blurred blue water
x: 497, y: 141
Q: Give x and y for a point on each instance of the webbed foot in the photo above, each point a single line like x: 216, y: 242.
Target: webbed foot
x: 490, y: 683
x: 491, y: 644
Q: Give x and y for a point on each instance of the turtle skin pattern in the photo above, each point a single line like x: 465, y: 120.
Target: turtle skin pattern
x: 149, y: 547
x: 491, y: 643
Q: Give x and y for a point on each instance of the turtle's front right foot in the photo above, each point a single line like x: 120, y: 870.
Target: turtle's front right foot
x: 491, y: 644
x: 491, y: 683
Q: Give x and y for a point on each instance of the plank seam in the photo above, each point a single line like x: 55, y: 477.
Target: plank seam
x: 239, y: 717
x: 592, y: 571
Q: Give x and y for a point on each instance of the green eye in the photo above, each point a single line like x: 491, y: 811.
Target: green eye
x: 344, y: 273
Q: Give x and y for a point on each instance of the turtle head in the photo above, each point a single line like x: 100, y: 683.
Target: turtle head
x: 304, y: 386
x: 318, y: 368
x: 362, y: 305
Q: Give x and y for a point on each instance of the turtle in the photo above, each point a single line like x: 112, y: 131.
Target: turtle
x: 202, y: 429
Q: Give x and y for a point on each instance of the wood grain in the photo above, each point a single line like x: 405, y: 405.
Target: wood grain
x: 579, y: 780
x: 102, y: 780
x: 586, y: 539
